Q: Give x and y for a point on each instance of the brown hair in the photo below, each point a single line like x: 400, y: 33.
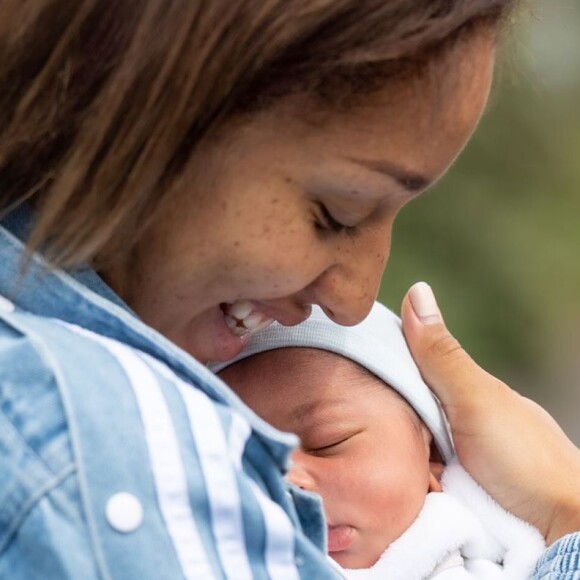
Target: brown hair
x: 104, y: 101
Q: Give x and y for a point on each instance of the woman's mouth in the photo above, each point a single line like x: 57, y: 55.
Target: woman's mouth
x: 243, y: 317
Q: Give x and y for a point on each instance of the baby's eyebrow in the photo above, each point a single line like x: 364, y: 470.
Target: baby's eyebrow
x: 319, y: 412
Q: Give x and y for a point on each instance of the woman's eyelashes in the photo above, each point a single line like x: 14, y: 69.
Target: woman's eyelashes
x: 326, y: 221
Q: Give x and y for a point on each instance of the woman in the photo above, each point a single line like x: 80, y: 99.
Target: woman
x: 186, y: 172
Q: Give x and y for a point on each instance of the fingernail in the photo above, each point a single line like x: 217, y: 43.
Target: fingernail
x: 424, y: 303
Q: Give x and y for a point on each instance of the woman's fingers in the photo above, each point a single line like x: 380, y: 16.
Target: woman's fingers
x: 508, y: 443
x: 450, y: 372
x: 475, y: 402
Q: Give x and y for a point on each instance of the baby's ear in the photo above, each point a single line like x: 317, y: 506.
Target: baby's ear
x: 436, y: 464
x: 436, y: 467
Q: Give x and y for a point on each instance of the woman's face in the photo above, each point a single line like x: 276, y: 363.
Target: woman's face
x: 289, y: 209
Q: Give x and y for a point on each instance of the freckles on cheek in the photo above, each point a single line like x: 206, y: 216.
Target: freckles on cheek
x: 263, y: 277
x: 284, y: 278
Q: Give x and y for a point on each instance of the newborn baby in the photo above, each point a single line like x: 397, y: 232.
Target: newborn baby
x: 373, y: 444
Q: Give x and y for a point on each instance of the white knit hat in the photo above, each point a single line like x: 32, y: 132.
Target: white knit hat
x: 377, y: 344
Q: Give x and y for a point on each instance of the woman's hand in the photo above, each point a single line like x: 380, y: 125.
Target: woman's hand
x: 508, y: 443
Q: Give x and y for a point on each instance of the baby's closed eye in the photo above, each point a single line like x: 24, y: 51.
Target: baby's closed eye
x: 328, y: 444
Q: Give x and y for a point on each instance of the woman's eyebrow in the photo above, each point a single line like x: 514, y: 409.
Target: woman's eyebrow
x: 414, y: 183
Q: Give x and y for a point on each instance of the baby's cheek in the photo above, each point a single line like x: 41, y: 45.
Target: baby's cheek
x: 397, y: 497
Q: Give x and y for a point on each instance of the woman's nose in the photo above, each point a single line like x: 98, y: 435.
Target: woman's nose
x: 347, y: 290
x: 299, y: 476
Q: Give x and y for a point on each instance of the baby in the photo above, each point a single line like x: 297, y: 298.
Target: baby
x: 373, y: 444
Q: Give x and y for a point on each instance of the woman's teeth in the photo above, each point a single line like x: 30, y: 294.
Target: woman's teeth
x: 240, y: 309
x: 241, y: 318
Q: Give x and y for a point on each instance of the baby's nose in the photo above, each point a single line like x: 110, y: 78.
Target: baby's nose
x: 298, y: 474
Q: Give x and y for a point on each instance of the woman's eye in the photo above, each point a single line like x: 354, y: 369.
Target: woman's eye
x: 328, y: 222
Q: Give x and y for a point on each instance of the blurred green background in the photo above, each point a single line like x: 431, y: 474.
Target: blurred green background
x: 499, y: 237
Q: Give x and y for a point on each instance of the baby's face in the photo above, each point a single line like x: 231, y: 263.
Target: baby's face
x: 362, y: 447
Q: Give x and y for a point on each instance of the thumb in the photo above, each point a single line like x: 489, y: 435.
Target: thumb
x: 509, y: 445
x: 457, y: 381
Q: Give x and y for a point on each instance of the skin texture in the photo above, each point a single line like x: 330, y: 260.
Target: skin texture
x: 245, y: 222
x: 508, y: 443
x: 362, y: 449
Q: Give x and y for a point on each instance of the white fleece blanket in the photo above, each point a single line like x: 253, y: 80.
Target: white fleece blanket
x: 460, y: 534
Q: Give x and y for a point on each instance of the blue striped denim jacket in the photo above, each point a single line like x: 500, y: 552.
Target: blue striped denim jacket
x: 121, y: 457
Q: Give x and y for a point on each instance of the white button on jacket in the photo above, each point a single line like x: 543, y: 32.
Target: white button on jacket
x: 124, y: 512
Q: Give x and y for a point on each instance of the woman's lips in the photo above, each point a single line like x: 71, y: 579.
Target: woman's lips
x: 340, y: 538
x: 243, y: 317
x: 239, y: 319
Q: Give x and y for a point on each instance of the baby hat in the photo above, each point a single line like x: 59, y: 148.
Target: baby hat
x: 377, y: 344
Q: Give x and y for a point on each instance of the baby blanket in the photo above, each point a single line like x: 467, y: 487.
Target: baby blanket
x: 460, y: 534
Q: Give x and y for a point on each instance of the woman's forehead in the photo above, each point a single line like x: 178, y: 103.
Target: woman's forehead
x: 413, y: 127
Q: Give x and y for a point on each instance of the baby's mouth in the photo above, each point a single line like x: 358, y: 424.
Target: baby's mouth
x: 340, y: 538
x: 243, y: 317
